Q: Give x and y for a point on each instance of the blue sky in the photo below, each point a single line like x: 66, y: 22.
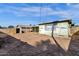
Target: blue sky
x: 35, y: 13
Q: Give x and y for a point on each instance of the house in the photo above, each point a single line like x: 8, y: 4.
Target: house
x: 56, y: 28
x: 26, y: 28
x: 23, y: 28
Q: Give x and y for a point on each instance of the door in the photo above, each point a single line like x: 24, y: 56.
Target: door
x: 17, y: 30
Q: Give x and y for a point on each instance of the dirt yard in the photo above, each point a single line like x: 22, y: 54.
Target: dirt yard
x: 30, y: 44
x: 34, y: 38
x: 33, y: 44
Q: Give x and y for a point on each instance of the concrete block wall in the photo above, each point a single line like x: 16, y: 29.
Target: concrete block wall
x: 10, y: 31
x: 75, y: 32
x: 74, y: 29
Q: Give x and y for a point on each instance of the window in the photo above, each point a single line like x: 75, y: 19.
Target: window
x: 48, y: 27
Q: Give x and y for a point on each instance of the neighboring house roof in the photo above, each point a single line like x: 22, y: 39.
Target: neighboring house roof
x: 69, y: 21
x: 36, y: 26
x: 23, y: 26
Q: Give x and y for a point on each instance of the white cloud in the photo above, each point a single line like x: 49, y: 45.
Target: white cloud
x: 30, y: 9
x: 35, y: 11
x: 68, y: 4
x: 72, y: 12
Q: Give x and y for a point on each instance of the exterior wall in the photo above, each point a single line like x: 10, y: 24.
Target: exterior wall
x: 74, y: 29
x: 24, y: 29
x: 42, y: 30
x: 60, y: 35
x: 10, y: 31
x: 60, y: 29
x: 75, y: 32
x: 27, y: 30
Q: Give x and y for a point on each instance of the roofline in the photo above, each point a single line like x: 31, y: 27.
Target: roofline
x: 69, y: 21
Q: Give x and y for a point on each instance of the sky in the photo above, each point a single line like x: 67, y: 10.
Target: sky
x: 35, y: 13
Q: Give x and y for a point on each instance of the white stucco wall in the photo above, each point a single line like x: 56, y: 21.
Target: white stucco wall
x: 42, y: 30
x: 59, y: 29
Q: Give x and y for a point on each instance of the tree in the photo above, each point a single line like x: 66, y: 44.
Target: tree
x: 11, y: 26
x: 0, y: 26
x: 72, y: 25
x: 30, y: 24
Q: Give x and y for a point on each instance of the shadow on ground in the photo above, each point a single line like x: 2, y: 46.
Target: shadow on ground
x: 74, y: 45
x: 10, y: 46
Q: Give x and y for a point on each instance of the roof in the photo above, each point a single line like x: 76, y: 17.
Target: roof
x: 69, y: 21
x: 23, y: 26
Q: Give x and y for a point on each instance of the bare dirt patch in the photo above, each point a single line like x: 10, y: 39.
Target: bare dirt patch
x: 33, y: 44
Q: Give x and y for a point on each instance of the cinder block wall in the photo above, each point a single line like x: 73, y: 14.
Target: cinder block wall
x: 75, y: 32
x: 10, y: 31
x: 74, y: 29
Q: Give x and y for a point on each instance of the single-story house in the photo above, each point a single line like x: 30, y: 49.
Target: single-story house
x: 26, y: 28
x: 23, y: 28
x: 56, y: 28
